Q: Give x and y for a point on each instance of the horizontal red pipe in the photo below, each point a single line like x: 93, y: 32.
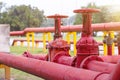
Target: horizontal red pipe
x: 111, y: 59
x: 66, y: 60
x: 41, y: 29
x: 70, y: 61
x: 49, y: 70
x: 22, y: 40
x: 101, y: 66
x: 17, y: 33
x: 114, y: 26
x: 116, y: 73
x: 36, y: 56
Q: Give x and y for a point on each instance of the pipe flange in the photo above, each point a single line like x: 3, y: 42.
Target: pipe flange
x: 88, y: 59
x: 58, y: 44
x: 58, y: 55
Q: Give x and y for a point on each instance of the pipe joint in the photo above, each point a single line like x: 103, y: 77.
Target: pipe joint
x: 88, y: 59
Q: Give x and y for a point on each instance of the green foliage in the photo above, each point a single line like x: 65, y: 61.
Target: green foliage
x: 104, y: 16
x: 78, y: 19
x: 20, y: 17
x: 114, y: 16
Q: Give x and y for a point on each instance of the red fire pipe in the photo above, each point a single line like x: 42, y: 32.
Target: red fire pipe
x: 63, y: 58
x: 109, y: 49
x: 95, y: 63
x: 100, y: 66
x: 17, y: 33
x: 118, y: 42
x: 37, y: 56
x: 111, y: 59
x: 53, y: 71
x: 23, y: 40
x: 66, y: 60
x: 119, y: 49
x: 37, y: 41
x: 114, y: 26
x: 116, y: 73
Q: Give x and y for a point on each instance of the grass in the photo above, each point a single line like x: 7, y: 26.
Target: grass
x: 20, y: 75
x: 18, y: 50
x: 98, y: 39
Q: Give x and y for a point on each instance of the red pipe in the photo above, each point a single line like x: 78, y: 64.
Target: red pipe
x: 109, y: 49
x: 63, y: 58
x: 116, y: 73
x: 17, y: 33
x: 37, y: 56
x: 71, y: 42
x: 51, y: 71
x: 111, y: 59
x: 89, y: 63
x: 42, y: 29
x: 119, y: 49
x: 95, y: 63
x: 66, y: 60
x: 100, y: 66
x: 36, y: 41
x: 114, y: 26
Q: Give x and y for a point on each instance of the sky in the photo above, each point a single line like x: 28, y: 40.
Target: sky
x: 64, y: 7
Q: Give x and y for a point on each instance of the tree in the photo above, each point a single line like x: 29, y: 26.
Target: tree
x: 20, y: 17
x: 2, y: 5
x: 99, y: 17
x: 114, y: 17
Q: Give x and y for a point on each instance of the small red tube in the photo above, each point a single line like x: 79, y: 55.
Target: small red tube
x: 109, y: 49
x: 118, y: 49
x: 35, y: 56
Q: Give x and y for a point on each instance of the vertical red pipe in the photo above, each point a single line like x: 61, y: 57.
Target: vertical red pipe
x: 86, y: 31
x: 109, y: 49
x: 57, y: 28
x: 119, y: 49
x: 57, y: 18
